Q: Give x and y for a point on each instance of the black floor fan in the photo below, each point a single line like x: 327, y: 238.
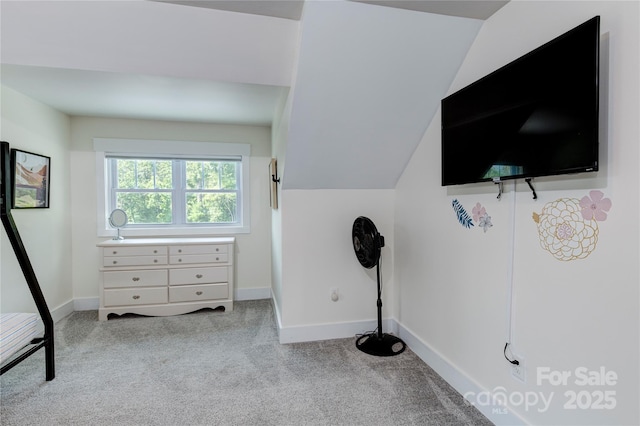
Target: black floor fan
x: 367, y: 243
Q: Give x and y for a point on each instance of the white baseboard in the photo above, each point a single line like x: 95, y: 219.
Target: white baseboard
x: 86, y: 304
x: 309, y: 333
x: 498, y: 414
x: 56, y: 314
x: 252, y: 293
x: 276, y: 310
x: 62, y: 311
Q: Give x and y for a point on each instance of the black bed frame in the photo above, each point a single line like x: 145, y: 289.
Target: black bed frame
x: 46, y: 341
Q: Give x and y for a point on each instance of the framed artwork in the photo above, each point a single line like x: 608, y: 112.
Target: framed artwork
x: 31, y: 184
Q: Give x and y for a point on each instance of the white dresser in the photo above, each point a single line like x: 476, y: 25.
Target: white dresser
x: 165, y: 276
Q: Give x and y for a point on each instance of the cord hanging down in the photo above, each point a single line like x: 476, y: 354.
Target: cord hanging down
x: 510, y: 262
x: 512, y: 361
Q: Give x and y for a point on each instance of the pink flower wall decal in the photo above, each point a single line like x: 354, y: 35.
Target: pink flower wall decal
x: 478, y: 212
x: 594, y: 207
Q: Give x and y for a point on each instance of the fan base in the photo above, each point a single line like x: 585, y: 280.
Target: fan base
x: 385, y: 345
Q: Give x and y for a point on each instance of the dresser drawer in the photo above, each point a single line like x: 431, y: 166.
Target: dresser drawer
x: 198, y: 258
x: 134, y: 260
x: 192, y: 293
x: 197, y: 249
x: 135, y: 251
x: 149, y: 278
x: 197, y: 276
x: 135, y: 296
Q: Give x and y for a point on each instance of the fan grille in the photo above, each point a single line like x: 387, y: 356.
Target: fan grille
x: 366, y: 242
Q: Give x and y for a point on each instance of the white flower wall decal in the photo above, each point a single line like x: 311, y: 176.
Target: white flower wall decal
x: 568, y: 227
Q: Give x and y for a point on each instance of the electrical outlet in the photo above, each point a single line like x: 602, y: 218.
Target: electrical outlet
x: 335, y: 294
x: 518, y: 371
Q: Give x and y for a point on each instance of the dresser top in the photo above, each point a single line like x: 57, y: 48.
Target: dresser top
x: 130, y: 242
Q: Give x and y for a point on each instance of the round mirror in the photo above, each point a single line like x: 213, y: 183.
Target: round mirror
x: 118, y: 219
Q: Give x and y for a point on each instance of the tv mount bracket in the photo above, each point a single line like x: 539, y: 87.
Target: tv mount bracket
x: 528, y: 180
x: 498, y: 182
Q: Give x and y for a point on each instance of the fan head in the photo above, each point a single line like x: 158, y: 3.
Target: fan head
x: 366, y: 242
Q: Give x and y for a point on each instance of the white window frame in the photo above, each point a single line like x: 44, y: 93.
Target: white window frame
x: 170, y: 149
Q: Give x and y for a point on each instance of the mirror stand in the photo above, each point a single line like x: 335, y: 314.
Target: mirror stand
x: 118, y: 219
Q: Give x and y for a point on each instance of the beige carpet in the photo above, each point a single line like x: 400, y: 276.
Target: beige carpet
x: 217, y: 368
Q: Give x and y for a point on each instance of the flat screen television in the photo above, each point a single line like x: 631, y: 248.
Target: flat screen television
x: 536, y: 116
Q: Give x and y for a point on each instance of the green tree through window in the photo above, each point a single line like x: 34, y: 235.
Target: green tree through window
x: 157, y: 191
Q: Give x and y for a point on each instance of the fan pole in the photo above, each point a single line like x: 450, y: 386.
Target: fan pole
x: 380, y: 344
x: 379, y: 303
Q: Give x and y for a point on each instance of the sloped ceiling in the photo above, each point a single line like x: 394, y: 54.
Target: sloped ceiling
x: 368, y: 84
x: 476, y: 9
x: 142, y: 59
x: 292, y: 9
x: 368, y: 77
x: 287, y: 9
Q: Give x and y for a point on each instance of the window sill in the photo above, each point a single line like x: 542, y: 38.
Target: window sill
x: 174, y: 232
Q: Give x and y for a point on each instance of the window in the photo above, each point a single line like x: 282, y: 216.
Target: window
x: 170, y: 194
x: 160, y: 191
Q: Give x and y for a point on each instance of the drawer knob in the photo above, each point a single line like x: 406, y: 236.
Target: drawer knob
x: 179, y: 260
x: 198, y: 275
x: 199, y: 293
x: 179, y: 250
x: 136, y: 297
x: 115, y: 261
x: 115, y: 252
x: 155, y: 260
x: 136, y: 279
x: 217, y: 258
x: 217, y: 249
x: 155, y: 251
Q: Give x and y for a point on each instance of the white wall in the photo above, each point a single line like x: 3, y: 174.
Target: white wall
x: 32, y: 126
x: 318, y: 255
x: 453, y: 281
x: 355, y: 115
x: 279, y: 139
x: 253, y: 250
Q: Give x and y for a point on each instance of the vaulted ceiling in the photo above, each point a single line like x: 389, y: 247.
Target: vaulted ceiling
x: 292, y: 9
x: 233, y: 61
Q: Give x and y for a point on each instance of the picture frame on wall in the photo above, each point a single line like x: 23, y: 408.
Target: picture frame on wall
x: 31, y: 180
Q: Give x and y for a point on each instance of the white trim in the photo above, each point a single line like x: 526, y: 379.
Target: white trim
x: 311, y: 333
x: 257, y: 293
x: 56, y: 314
x: 86, y: 304
x: 177, y: 148
x: 276, y: 310
x: 457, y: 379
x: 145, y: 146
x: 62, y: 311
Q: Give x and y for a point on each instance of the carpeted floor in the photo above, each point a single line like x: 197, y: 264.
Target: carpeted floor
x: 217, y: 368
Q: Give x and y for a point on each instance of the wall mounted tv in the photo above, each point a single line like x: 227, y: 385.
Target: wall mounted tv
x: 536, y: 116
